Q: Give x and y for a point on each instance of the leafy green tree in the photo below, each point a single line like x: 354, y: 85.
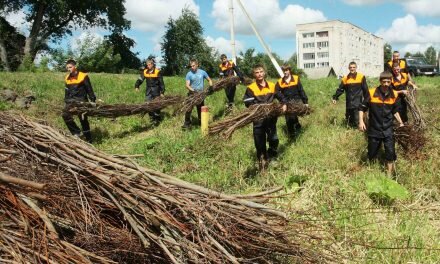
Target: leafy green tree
x: 419, y: 54
x: 10, y: 42
x: 249, y: 58
x: 51, y: 20
x: 182, y: 41
x: 407, y: 54
x: 387, y: 52
x: 59, y: 56
x: 431, y: 55
x: 293, y: 60
x: 122, y: 45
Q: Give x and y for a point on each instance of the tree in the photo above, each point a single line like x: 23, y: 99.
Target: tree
x: 50, y: 20
x: 293, y: 60
x: 182, y: 41
x: 387, y: 52
x: 419, y: 54
x: 431, y: 55
x: 248, y: 59
x: 10, y: 41
x: 407, y: 54
x: 122, y: 45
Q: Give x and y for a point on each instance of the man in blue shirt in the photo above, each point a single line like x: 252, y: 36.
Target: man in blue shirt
x: 195, y: 79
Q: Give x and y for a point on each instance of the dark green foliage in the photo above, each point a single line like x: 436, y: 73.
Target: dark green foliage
x: 11, y: 41
x: 96, y: 55
x: 122, y: 45
x: 182, y: 41
x: 249, y: 59
x: 387, y: 52
x: 51, y: 20
x: 430, y: 55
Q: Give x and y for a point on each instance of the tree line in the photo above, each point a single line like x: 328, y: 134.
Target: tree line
x: 50, y: 21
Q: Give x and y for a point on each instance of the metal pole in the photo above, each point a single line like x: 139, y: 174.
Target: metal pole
x: 231, y: 16
x: 274, y: 62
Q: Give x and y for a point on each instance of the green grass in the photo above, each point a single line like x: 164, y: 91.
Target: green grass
x: 327, y: 161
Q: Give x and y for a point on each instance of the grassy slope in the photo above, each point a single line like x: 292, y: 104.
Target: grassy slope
x: 326, y: 159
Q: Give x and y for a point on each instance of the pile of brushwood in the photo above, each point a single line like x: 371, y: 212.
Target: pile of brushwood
x: 254, y: 113
x: 412, y: 137
x: 117, y: 110
x: 63, y: 201
x: 197, y: 98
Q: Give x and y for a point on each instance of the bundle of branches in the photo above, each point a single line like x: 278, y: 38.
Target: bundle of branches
x: 411, y: 138
x: 254, y: 113
x: 247, y: 81
x: 197, y: 98
x: 88, y: 201
x: 116, y: 110
x: 410, y: 98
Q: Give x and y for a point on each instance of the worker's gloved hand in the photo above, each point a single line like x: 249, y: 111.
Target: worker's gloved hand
x: 210, y: 90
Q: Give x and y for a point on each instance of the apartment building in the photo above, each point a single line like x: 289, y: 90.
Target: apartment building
x: 326, y: 48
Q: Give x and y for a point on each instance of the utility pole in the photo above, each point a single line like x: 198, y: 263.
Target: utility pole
x: 231, y: 16
x: 274, y: 62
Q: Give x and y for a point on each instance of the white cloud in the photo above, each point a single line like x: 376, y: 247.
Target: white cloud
x: 152, y: 15
x: 223, y: 45
x: 423, y: 7
x: 418, y: 7
x: 268, y: 16
x: 405, y: 30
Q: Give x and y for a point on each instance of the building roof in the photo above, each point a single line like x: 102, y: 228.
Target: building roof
x: 337, y: 20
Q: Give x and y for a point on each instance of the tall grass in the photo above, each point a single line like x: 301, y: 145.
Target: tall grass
x: 324, y: 169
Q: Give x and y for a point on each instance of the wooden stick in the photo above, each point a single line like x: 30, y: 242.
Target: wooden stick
x: 18, y: 181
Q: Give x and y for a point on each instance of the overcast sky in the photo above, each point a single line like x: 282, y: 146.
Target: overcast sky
x: 408, y: 25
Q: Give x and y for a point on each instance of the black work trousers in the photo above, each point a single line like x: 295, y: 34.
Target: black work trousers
x: 292, y: 123
x: 352, y: 117
x: 230, y: 93
x: 374, y: 146
x: 265, y: 131
x: 73, y: 127
x: 154, y: 115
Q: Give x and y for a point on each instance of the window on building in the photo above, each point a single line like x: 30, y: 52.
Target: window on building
x: 308, y: 35
x: 309, y: 45
x: 322, y: 44
x: 322, y: 64
x: 309, y: 65
x: 308, y: 56
x: 322, y: 34
x: 322, y: 55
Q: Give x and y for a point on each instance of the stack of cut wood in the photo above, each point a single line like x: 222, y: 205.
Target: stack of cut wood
x: 254, y: 113
x: 63, y: 201
x: 117, y: 110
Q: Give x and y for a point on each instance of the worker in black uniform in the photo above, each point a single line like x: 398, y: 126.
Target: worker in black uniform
x: 400, y: 83
x: 263, y: 92
x: 355, y: 87
x: 78, y: 89
x: 227, y: 69
x: 155, y: 86
x: 382, y: 104
x: 290, y: 86
x: 396, y: 59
